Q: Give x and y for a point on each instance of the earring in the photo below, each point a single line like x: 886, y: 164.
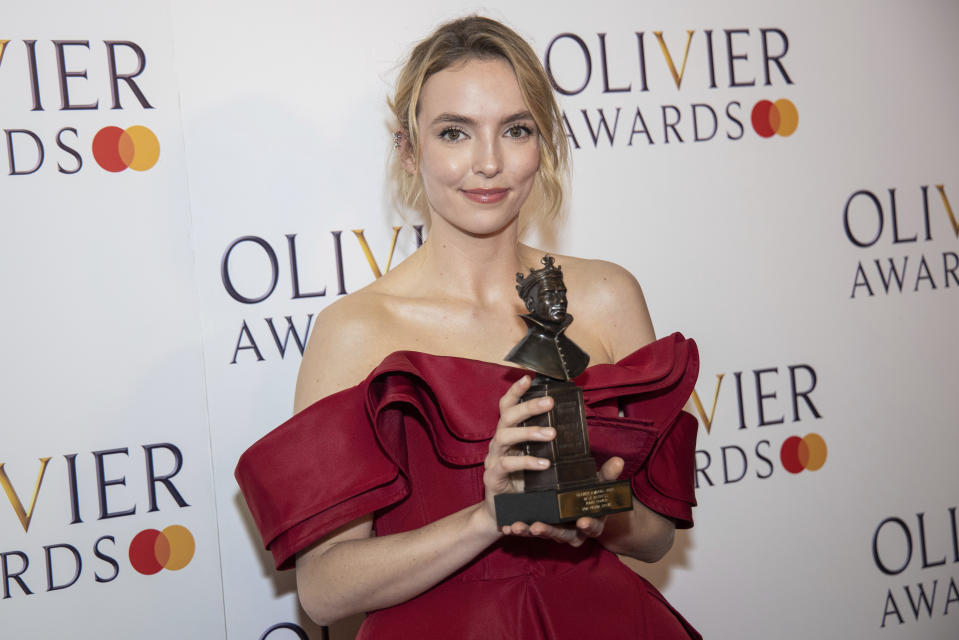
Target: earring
x: 397, y: 137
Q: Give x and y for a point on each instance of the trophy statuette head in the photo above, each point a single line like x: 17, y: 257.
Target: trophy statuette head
x: 545, y: 348
x: 544, y: 292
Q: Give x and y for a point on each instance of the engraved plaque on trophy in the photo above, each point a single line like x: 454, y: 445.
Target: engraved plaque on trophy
x: 569, y: 488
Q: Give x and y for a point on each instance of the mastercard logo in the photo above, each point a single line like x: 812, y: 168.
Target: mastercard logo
x: 808, y: 452
x: 116, y: 149
x: 775, y: 117
x: 152, y: 550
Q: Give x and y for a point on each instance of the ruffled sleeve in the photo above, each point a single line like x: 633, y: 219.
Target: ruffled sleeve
x: 347, y: 456
x: 319, y: 470
x: 654, y: 436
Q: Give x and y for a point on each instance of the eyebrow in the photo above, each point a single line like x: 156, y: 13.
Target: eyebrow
x: 454, y: 118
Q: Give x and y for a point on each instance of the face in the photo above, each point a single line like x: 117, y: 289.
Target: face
x: 479, y: 147
x: 550, y: 303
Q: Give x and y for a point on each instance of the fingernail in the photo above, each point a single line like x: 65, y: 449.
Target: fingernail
x: 542, y: 463
x: 547, y: 432
x: 545, y: 402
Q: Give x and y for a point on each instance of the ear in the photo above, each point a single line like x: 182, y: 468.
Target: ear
x: 530, y: 302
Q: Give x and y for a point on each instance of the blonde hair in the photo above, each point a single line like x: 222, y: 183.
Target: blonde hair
x: 471, y: 38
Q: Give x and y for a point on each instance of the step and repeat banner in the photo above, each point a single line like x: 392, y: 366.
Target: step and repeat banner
x: 186, y: 185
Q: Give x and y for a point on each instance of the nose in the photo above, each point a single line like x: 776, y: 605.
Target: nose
x: 487, y: 158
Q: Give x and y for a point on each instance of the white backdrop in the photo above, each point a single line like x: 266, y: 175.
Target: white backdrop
x: 121, y: 331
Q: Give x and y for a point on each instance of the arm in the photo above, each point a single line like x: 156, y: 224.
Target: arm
x: 352, y: 570
x: 641, y: 533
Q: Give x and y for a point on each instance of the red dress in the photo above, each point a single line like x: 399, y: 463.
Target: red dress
x: 407, y: 444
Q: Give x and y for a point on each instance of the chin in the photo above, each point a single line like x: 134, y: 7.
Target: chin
x: 482, y: 223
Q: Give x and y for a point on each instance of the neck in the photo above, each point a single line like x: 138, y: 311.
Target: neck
x: 481, y: 269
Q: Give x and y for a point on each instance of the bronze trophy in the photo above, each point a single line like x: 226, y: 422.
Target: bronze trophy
x: 569, y: 488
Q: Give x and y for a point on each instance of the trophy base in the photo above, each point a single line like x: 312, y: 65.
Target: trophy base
x: 553, y: 506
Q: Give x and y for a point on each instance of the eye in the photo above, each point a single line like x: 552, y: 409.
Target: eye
x: 519, y: 131
x: 452, y: 134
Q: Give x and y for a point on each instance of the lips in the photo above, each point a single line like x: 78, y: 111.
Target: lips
x: 486, y: 196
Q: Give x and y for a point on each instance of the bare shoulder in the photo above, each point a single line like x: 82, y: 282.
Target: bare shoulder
x: 342, y: 349
x: 610, y: 299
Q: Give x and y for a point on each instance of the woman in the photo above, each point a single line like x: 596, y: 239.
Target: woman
x: 380, y: 489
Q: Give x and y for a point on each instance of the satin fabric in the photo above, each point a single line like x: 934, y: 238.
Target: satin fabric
x: 408, y: 443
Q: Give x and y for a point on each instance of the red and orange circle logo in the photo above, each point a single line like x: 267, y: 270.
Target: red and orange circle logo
x: 116, y: 149
x: 152, y: 550
x: 808, y: 452
x: 775, y: 117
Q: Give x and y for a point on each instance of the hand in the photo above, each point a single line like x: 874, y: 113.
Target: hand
x: 576, y: 533
x: 502, y: 463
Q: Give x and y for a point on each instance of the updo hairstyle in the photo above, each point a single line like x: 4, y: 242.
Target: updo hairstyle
x: 478, y: 38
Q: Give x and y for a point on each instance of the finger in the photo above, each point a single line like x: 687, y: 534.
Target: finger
x: 512, y: 464
x: 506, y: 438
x: 518, y: 413
x: 591, y: 527
x: 514, y: 393
x: 519, y: 529
x: 611, y: 469
x: 567, y: 535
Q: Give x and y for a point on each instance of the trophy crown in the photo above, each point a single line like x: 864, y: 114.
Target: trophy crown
x: 526, y: 283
